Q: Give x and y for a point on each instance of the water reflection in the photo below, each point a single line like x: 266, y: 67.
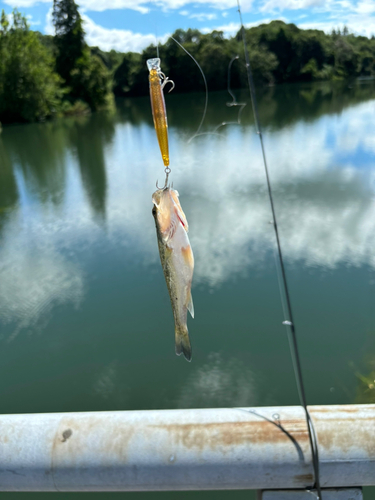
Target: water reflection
x: 106, y: 381
x: 88, y: 137
x: 33, y: 283
x: 325, y: 206
x: 365, y: 375
x: 37, y: 269
x: 79, y: 262
x: 72, y: 173
x: 39, y: 151
x: 8, y: 186
x: 219, y: 383
x: 279, y: 106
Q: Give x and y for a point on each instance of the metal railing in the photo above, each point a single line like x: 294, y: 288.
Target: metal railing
x: 224, y: 448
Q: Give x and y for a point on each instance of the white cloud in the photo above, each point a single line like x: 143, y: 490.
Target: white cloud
x: 107, y: 39
x: 96, y: 5
x: 345, y: 4
x: 203, y: 17
x: 359, y: 17
x: 101, y: 5
x: 121, y: 40
x: 142, y: 6
x: 358, y: 24
x: 337, y: 13
x: 232, y: 28
x: 229, y: 29
x: 126, y: 40
x: 24, y: 3
x: 365, y: 7
x: 361, y: 24
x: 326, y: 26
x: 49, y: 28
x: 291, y: 4
x: 30, y: 21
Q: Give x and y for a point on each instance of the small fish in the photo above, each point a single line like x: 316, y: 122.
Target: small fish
x: 177, y: 261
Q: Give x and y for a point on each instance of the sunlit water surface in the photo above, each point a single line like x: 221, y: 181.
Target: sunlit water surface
x: 85, y: 316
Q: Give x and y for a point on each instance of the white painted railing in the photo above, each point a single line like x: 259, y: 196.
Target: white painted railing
x: 225, y: 448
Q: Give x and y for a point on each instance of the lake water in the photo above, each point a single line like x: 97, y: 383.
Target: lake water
x: 85, y: 316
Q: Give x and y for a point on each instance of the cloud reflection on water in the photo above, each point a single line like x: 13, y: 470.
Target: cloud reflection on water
x: 326, y: 211
x: 34, y: 279
x: 219, y: 383
x: 325, y: 205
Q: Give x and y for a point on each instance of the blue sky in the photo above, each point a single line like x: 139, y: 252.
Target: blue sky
x: 126, y: 25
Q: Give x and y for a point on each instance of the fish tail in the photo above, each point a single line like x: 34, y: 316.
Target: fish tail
x: 183, y: 342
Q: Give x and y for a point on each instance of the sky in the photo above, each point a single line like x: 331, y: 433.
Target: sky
x: 132, y: 25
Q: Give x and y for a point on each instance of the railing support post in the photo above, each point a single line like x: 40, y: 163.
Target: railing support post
x: 327, y: 494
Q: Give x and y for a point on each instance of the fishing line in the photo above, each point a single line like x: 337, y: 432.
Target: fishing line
x: 229, y: 104
x: 290, y: 322
x: 157, y: 42
x: 234, y: 102
x: 205, y: 84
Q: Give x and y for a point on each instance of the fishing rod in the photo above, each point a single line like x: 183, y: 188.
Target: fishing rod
x: 288, y: 322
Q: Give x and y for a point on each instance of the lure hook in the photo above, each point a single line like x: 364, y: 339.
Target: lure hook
x: 165, y: 185
x: 167, y: 172
x: 166, y: 80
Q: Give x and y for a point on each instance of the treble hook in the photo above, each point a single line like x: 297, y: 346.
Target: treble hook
x: 166, y: 80
x: 165, y: 185
x: 167, y: 172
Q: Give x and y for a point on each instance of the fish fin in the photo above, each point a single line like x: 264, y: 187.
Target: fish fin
x: 170, y: 231
x: 190, y: 304
x: 183, y: 342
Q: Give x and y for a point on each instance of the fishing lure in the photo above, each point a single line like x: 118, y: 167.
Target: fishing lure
x: 175, y: 251
x: 158, y: 81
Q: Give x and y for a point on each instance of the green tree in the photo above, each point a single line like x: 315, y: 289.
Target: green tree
x: 346, y: 58
x: 310, y: 70
x: 214, y: 56
x: 263, y: 64
x: 90, y: 81
x: 69, y: 36
x: 125, y: 73
x: 29, y: 88
x: 85, y: 74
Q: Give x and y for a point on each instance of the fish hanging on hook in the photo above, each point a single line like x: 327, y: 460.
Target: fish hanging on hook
x: 177, y: 261
x: 158, y: 81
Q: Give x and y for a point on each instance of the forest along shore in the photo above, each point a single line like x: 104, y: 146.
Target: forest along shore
x: 61, y: 75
